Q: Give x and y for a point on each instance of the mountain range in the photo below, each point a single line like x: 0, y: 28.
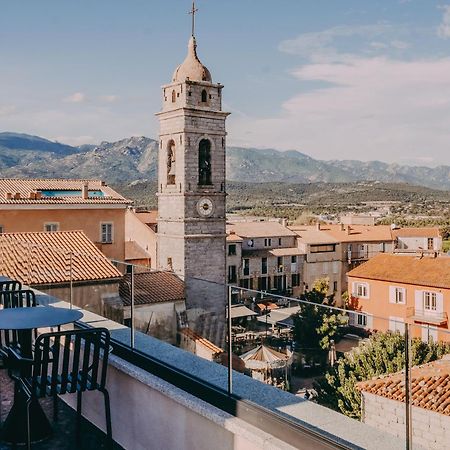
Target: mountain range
x: 135, y: 158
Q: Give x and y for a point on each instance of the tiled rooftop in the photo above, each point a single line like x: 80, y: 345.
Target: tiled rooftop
x: 420, y: 271
x: 27, y: 187
x: 43, y: 257
x: 430, y: 232
x: 430, y: 386
x: 259, y: 229
x: 152, y: 287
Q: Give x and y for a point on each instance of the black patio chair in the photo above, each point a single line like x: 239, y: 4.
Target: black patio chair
x: 10, y: 285
x: 66, y: 362
x: 14, y: 299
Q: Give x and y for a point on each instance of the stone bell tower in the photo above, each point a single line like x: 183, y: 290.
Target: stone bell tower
x: 191, y: 191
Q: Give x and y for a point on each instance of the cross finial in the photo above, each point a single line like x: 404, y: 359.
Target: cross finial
x: 193, y: 11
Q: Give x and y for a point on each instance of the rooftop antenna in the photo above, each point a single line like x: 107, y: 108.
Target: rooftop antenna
x: 193, y: 11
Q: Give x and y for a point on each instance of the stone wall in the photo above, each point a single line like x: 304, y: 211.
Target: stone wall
x: 430, y: 430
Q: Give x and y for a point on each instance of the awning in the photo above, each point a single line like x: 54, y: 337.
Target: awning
x: 241, y: 311
x: 282, y: 316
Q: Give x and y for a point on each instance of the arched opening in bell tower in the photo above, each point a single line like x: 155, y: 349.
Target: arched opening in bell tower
x: 171, y: 162
x: 204, y: 96
x: 204, y: 162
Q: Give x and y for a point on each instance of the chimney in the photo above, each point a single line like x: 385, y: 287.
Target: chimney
x: 38, y: 195
x: 8, y: 196
x: 284, y: 222
x: 85, y: 191
x: 342, y: 227
x: 32, y: 195
x: 17, y: 196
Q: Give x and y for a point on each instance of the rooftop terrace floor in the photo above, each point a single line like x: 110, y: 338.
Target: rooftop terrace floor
x: 63, y: 431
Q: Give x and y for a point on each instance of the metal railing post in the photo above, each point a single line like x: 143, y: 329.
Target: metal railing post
x: 70, y: 280
x: 408, y: 418
x: 230, y: 344
x: 132, y: 306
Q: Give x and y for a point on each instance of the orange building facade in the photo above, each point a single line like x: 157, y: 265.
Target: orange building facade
x: 66, y: 205
x: 391, y: 290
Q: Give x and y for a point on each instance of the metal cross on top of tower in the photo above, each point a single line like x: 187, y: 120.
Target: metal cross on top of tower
x: 193, y: 11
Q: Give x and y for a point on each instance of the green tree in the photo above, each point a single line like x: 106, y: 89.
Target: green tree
x: 314, y: 325
x: 382, y: 353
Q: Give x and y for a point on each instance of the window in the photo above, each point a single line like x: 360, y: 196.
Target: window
x: 262, y: 283
x: 293, y: 259
x: 279, y: 241
x: 335, y: 286
x: 295, y: 279
x: 51, y: 226
x: 322, y: 248
x: 430, y: 243
x: 278, y: 282
x: 361, y: 290
x: 246, y: 267
x: 361, y: 320
x: 204, y: 96
x: 232, y: 250
x: 231, y: 274
x: 2, y: 229
x: 429, y: 301
x: 107, y: 233
x: 280, y: 263
x: 174, y: 97
x: 204, y: 162
x: 171, y: 162
x: 267, y: 242
x: 169, y: 263
x: 397, y: 295
x: 263, y: 265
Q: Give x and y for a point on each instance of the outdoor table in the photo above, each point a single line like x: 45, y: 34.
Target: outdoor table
x: 25, y: 320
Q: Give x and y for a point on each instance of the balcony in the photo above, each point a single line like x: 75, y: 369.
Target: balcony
x: 426, y: 316
x: 163, y: 395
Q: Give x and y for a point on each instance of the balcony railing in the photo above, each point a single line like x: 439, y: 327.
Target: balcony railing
x: 427, y: 316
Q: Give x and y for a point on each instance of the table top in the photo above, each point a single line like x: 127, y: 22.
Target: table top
x: 37, y: 317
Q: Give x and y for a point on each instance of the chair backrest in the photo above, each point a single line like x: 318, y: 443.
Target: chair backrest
x: 18, y: 299
x: 70, y: 361
x: 10, y: 285
x: 14, y: 299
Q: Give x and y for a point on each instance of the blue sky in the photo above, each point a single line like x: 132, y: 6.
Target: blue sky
x: 334, y: 79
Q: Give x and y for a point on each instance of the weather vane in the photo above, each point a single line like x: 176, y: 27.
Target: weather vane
x: 193, y: 11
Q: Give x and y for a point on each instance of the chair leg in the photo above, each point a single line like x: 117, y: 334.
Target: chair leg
x: 28, y: 425
x: 108, y: 419
x: 78, y: 429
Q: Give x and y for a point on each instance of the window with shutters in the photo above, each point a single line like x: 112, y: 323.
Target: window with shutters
x: 361, y: 290
x: 106, y: 233
x: 51, y: 227
x: 429, y: 301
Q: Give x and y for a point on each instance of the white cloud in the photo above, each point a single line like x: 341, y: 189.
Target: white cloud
x: 376, y: 108
x: 108, y: 98
x: 77, y: 97
x: 444, y: 27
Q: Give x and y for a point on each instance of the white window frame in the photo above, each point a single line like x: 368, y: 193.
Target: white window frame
x: 364, y: 293
x: 397, y: 295
x: 106, y: 241
x: 51, y: 225
x: 429, y: 297
x: 361, y: 320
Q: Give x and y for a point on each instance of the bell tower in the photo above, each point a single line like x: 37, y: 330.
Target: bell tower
x: 191, y: 190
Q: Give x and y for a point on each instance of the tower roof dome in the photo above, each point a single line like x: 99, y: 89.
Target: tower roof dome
x: 191, y: 68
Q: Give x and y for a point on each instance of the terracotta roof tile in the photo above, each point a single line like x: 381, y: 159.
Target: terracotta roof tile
x: 134, y: 251
x: 259, y: 229
x: 191, y: 334
x: 26, y: 187
x: 359, y: 233
x: 41, y: 258
x: 430, y: 386
x: 425, y: 271
x: 152, y: 287
x: 417, y: 232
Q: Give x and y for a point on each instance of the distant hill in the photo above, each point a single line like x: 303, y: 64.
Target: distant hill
x: 135, y: 158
